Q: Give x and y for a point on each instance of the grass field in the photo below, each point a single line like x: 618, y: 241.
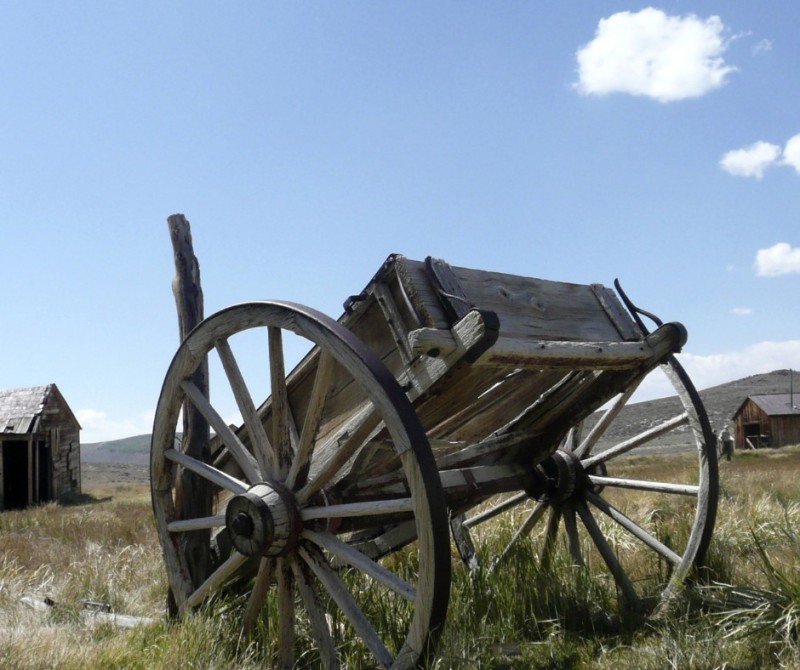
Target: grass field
x: 744, y: 613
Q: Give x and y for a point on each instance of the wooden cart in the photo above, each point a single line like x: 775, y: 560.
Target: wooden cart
x: 443, y: 397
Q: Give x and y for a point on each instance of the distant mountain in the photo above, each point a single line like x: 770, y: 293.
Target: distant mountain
x: 720, y: 402
x: 132, y: 450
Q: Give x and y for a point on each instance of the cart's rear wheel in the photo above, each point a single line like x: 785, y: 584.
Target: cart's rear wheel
x: 591, y: 492
x: 276, y: 538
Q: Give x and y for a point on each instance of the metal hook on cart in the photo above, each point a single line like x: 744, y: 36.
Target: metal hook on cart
x: 636, y: 311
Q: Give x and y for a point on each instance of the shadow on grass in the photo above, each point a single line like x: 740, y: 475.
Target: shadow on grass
x: 75, y: 499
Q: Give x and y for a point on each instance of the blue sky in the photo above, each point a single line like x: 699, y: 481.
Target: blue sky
x: 305, y: 141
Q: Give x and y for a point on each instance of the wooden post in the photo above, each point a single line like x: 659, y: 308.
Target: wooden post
x: 192, y: 493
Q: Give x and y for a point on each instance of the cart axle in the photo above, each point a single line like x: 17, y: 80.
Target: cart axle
x: 264, y: 520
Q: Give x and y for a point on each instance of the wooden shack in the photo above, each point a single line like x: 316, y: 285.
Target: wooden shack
x: 40, y: 448
x: 767, y: 421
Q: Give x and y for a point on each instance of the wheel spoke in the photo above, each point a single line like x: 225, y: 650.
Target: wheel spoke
x: 338, y: 409
x: 338, y: 591
x: 492, y: 512
x: 218, y: 477
x: 200, y: 523
x: 316, y: 406
x: 551, y: 535
x: 633, y: 528
x: 607, y: 553
x: 353, y: 557
x: 216, y: 579
x: 573, y: 438
x: 283, y: 430
x: 646, y: 485
x: 371, y: 508
x: 255, y: 603
x: 637, y: 441
x: 367, y: 420
x: 316, y: 616
x: 243, y: 457
x: 526, y: 527
x: 573, y: 540
x: 597, y: 431
x: 285, y: 616
x: 247, y: 408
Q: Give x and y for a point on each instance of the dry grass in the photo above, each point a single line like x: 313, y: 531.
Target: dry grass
x: 104, y: 548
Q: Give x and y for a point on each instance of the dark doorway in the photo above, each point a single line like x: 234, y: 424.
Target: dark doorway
x: 15, y: 474
x: 753, y: 436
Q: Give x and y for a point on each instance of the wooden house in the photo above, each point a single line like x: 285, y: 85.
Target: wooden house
x: 40, y: 447
x: 767, y: 421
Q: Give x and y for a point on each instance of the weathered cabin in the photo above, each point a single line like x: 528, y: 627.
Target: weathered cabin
x: 767, y: 421
x: 40, y: 447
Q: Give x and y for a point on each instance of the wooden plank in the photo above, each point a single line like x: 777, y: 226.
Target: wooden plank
x: 595, y: 355
x: 393, y: 319
x: 617, y: 314
x: 537, y: 309
x: 413, y: 277
x: 451, y: 294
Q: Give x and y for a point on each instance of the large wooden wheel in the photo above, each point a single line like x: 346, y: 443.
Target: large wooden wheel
x: 591, y: 499
x: 275, y: 536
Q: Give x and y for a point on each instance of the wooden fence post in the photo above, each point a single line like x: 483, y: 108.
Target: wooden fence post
x: 192, y: 493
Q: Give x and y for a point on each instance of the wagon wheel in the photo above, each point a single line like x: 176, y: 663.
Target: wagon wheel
x: 584, y: 484
x: 276, y: 536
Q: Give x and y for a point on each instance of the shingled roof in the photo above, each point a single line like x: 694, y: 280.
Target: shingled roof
x: 778, y: 404
x: 21, y: 408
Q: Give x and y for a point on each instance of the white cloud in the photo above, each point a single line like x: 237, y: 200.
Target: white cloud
x: 750, y: 161
x: 791, y: 153
x: 741, y: 311
x: 762, y: 46
x: 711, y: 370
x: 780, y: 259
x: 97, y: 426
x: 753, y: 160
x: 706, y: 371
x: 649, y: 53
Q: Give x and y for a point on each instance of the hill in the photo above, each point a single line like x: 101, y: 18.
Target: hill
x: 720, y: 401
x: 129, y: 450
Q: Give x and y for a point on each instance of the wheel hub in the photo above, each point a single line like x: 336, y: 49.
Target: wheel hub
x: 263, y: 521
x: 562, y: 476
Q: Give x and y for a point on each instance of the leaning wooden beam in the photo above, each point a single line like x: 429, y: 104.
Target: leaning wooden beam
x: 192, y: 495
